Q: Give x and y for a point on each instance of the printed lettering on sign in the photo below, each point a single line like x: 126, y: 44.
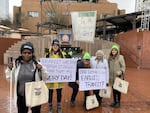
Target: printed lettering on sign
x: 59, y: 69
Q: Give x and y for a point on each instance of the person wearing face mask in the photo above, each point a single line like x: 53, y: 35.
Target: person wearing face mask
x: 100, y: 62
x: 24, y: 70
x: 55, y: 52
x: 117, y: 68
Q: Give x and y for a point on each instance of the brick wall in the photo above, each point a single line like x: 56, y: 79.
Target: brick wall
x: 136, y: 45
x: 103, y: 7
x: 5, y: 43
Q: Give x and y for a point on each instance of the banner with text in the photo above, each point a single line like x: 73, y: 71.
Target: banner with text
x: 84, y: 24
x: 92, y: 79
x: 60, y: 70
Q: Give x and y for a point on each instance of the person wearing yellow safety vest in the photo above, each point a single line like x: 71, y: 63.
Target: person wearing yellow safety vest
x: 55, y: 52
x: 84, y: 63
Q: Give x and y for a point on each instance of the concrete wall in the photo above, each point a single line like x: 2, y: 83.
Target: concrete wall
x: 136, y: 45
x: 40, y: 43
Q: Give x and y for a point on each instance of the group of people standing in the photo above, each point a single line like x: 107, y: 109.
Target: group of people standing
x: 114, y: 67
x: 25, y: 66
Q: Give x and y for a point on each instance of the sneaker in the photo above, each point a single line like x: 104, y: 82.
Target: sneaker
x: 59, y: 110
x: 72, y: 103
x: 50, y: 109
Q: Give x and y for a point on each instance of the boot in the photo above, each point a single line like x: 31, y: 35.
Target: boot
x: 72, y: 103
x: 50, y: 109
x: 59, y: 110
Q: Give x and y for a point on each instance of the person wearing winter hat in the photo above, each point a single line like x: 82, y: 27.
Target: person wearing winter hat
x: 55, y: 52
x: 84, y: 63
x: 55, y: 42
x: 22, y: 71
x: 115, y: 47
x: 27, y: 45
x: 100, y: 62
x: 117, y: 68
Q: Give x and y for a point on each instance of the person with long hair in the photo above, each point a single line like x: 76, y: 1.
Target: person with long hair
x: 117, y: 69
x: 55, y: 52
x: 25, y: 69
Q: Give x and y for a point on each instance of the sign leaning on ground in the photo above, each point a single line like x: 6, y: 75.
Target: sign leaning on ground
x: 83, y: 25
x: 92, y: 79
x: 60, y: 70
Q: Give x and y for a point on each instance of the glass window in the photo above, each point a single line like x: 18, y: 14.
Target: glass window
x: 50, y: 14
x: 33, y: 14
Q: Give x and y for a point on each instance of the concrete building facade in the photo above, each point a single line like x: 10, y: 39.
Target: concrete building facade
x: 35, y: 12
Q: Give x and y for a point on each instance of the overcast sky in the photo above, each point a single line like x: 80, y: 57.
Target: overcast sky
x: 129, y: 5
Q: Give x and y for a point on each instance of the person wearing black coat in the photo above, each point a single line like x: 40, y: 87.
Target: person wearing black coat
x: 84, y: 63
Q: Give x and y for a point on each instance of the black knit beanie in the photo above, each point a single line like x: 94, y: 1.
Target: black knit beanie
x: 55, y: 42
x: 27, y: 45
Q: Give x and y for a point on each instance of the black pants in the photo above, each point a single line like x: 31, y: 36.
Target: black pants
x: 59, y: 95
x: 22, y: 108
x: 96, y: 92
x: 116, y: 95
x: 75, y: 88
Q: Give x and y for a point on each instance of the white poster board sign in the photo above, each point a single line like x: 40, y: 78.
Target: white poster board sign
x: 92, y: 79
x: 83, y: 25
x: 59, y: 69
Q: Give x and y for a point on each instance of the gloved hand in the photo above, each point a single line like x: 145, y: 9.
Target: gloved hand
x: 118, y: 73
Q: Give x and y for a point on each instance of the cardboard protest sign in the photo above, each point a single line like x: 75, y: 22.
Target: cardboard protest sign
x: 92, y: 79
x: 60, y: 70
